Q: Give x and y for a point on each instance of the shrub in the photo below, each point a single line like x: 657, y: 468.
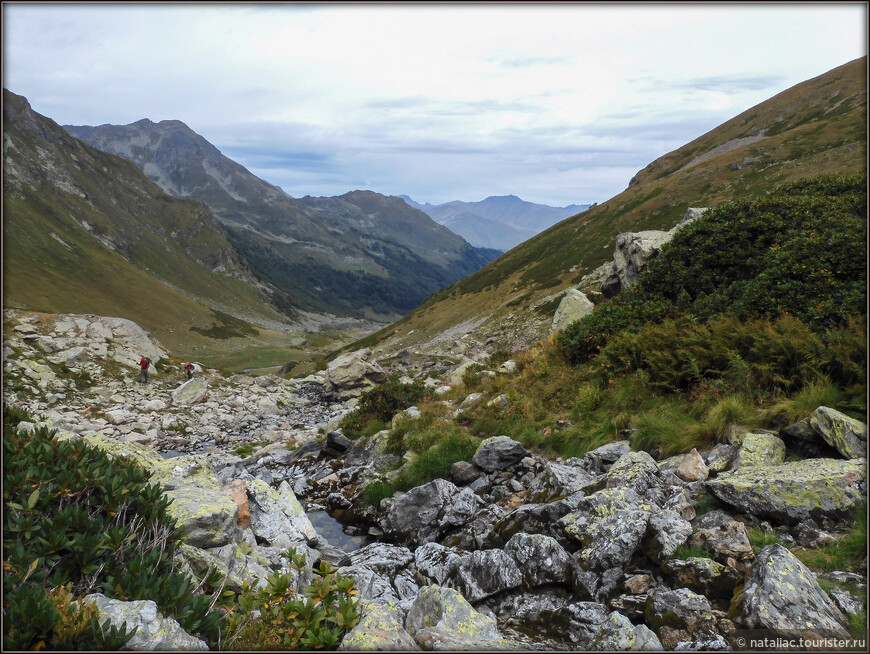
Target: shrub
x: 381, y: 404
x: 75, y: 519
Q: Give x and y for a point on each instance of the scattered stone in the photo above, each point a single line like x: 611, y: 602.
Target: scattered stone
x: 499, y: 453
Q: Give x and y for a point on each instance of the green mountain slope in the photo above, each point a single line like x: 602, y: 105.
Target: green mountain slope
x: 817, y: 127
x: 361, y: 254
x: 86, y: 232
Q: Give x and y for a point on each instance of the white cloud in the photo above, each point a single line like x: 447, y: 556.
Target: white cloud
x: 554, y: 103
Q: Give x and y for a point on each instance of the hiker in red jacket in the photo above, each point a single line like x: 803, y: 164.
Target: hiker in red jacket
x: 143, y: 370
x: 188, y: 368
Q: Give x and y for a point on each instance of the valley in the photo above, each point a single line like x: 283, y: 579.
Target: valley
x: 629, y: 431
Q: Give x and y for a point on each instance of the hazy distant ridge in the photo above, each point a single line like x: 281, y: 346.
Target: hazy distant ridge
x: 500, y: 222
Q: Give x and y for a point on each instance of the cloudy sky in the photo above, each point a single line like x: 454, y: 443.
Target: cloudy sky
x: 556, y: 103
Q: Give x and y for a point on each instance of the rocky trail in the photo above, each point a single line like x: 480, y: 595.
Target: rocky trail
x: 610, y: 551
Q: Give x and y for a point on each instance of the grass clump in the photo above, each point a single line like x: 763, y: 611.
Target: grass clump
x: 378, y: 405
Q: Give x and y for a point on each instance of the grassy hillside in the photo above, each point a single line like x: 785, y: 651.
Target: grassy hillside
x: 817, y: 127
x: 759, y: 333
x: 86, y: 232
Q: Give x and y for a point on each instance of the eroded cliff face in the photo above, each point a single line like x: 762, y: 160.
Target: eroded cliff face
x: 512, y: 550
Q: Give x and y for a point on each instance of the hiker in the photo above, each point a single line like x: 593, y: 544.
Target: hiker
x: 188, y: 367
x: 143, y: 370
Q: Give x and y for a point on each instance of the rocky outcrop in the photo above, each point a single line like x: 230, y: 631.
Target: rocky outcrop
x: 574, y: 306
x: 781, y: 594
x: 635, y: 249
x: 350, y: 374
x: 153, y: 632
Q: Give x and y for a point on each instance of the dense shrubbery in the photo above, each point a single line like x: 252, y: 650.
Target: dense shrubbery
x: 379, y: 405
x: 800, y: 250
x: 277, y: 618
x: 75, y: 523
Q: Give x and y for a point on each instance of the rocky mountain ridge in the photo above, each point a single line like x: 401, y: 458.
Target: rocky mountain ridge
x: 513, y: 551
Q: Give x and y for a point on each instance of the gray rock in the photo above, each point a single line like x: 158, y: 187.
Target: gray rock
x: 499, y: 453
x: 372, y: 586
x: 795, y: 490
x: 416, y: 516
x: 353, y: 372
x: 666, y: 531
x: 759, y: 450
x: 465, y: 506
x: 725, y: 537
x: 193, y: 391
x: 441, y: 619
x: 847, y: 435
x: 617, y: 633
x: 721, y: 457
x: 383, y: 558
x: 782, y: 594
x: 533, y: 519
x: 463, y: 473
x: 484, y: 573
x: 574, y: 306
x: 153, y: 632
x: 540, y: 558
x: 679, y: 609
x: 277, y: 516
x: 609, y: 526
x: 558, y: 481
x: 436, y: 563
x: 379, y: 630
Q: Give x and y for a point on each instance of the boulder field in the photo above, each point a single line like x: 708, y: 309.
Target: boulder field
x: 609, y: 551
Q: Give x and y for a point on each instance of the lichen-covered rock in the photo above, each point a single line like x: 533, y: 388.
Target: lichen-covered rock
x: 372, y: 586
x: 573, y: 306
x: 540, y: 558
x: 465, y: 506
x: 436, y: 563
x: 499, y: 453
x: 679, y: 609
x: 635, y: 470
x: 206, y: 517
x: 277, y: 516
x: 795, y: 490
x: 666, y: 531
x: 475, y: 533
x: 193, y: 391
x: 153, y: 632
x: 782, y: 594
x: 416, y: 517
x: 484, y: 573
x: 618, y: 634
x: 557, y: 481
x: 847, y: 435
x: 533, y: 519
x: 759, y: 450
x: 577, y: 623
x: 606, y: 454
x: 379, y: 630
x: 609, y: 526
x: 721, y: 457
x: 441, y: 619
x: 351, y: 373
x: 702, y: 575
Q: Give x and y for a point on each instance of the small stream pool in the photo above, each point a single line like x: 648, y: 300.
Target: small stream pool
x: 334, y: 532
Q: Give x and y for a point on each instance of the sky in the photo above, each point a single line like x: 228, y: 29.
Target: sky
x: 558, y: 103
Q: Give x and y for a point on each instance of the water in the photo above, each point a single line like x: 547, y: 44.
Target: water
x: 334, y: 532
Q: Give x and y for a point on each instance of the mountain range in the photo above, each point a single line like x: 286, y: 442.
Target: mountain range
x: 361, y: 254
x: 500, y: 222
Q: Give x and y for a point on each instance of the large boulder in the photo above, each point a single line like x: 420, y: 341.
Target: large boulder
x: 441, y: 619
x: 794, y: 490
x: 542, y: 560
x: 574, y: 306
x: 153, y: 632
x: 499, y: 453
x: 618, y: 634
x: 609, y: 526
x: 351, y: 373
x: 436, y: 563
x: 416, y: 517
x: 847, y: 435
x: 379, y: 630
x: 193, y: 391
x: 487, y: 572
x: 759, y: 450
x: 782, y: 594
x: 277, y: 517
x: 557, y: 481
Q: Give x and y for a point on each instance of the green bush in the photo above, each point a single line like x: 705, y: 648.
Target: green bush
x: 799, y: 250
x: 75, y: 518
x: 279, y: 618
x: 380, y: 404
